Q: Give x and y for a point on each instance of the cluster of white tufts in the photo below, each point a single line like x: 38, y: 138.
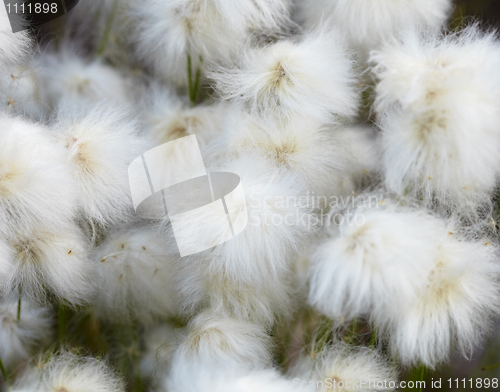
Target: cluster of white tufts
x: 366, y: 138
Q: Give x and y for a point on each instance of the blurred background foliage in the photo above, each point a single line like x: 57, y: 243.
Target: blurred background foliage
x: 486, y: 10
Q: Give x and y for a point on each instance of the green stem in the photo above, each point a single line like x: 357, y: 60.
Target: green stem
x: 107, y: 30
x: 352, y: 329
x: 491, y: 366
x: 19, y: 304
x: 373, y: 338
x: 190, y: 77
x: 62, y: 317
x: 4, y: 373
x: 193, y: 85
x: 422, y: 375
x: 324, y: 336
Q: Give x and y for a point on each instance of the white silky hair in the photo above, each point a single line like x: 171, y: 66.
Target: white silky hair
x: 454, y: 310
x: 375, y: 261
x: 6, y: 263
x: 19, y: 339
x: 70, y: 79
x: 231, y: 378
x: 250, y: 276
x: 55, y: 261
x: 369, y: 24
x: 299, y: 148
x: 100, y: 142
x: 167, y: 117
x: 36, y: 187
x: 66, y: 371
x: 169, y: 31
x: 310, y: 76
x: 341, y: 363
x: 134, y: 271
x: 213, y: 337
x: 160, y: 343
x: 438, y: 100
x: 20, y: 92
x: 14, y: 47
x: 361, y: 144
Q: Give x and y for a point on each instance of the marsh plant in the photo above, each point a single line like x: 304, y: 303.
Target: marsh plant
x: 366, y: 135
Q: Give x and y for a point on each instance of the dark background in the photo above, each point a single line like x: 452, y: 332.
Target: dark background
x: 486, y: 10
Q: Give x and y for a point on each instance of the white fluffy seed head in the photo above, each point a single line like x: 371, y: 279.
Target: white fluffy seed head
x: 100, y: 143
x: 250, y: 275
x: 308, y: 77
x: 214, y: 338
x: 299, y: 148
x: 453, y: 311
x: 230, y: 378
x: 69, y: 372
x: 20, y: 338
x: 377, y: 260
x: 168, y: 118
x: 71, y: 80
x: 19, y: 87
x: 13, y: 46
x: 206, y: 30
x: 36, y: 188
x: 438, y: 102
x: 6, y: 263
x: 340, y: 364
x: 370, y: 23
x: 51, y: 261
x: 134, y: 272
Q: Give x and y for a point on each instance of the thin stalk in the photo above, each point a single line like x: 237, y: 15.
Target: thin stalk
x: 19, y: 304
x: 107, y: 30
x: 190, y: 77
x: 193, y: 85
x: 352, y: 329
x: 61, y: 322
x: 324, y: 336
x: 422, y: 375
x: 491, y: 366
x: 373, y: 338
x: 4, y: 373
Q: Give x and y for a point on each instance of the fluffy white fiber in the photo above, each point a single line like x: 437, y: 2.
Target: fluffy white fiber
x: 250, y: 276
x: 19, y: 338
x: 343, y: 368
x: 100, y: 143
x: 379, y: 259
x: 231, y: 378
x: 20, y: 92
x: 298, y: 149
x: 134, y: 276
x: 370, y: 23
x: 167, y: 118
x: 206, y: 30
x: 310, y: 76
x: 13, y: 46
x: 453, y: 311
x: 213, y: 338
x: 69, y: 372
x: 70, y: 79
x: 438, y: 102
x: 52, y: 261
x: 33, y: 175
